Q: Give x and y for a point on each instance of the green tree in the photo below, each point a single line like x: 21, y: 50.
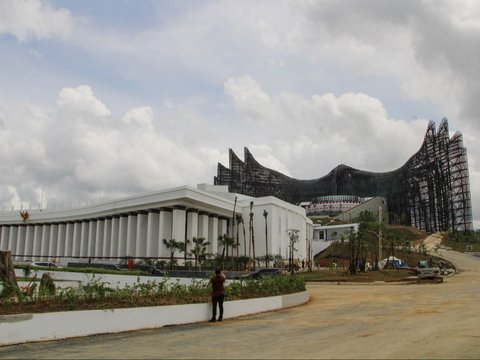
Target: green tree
x: 334, y: 236
x: 226, y: 242
x: 369, y: 238
x: 293, y: 236
x: 172, y: 245
x: 183, y: 247
x: 199, y: 250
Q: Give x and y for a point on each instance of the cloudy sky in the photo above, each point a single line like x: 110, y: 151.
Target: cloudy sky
x: 102, y: 99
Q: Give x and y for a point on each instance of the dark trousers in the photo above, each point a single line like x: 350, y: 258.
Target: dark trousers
x: 217, y: 300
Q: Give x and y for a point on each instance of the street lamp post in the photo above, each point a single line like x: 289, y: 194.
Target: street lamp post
x: 265, y: 214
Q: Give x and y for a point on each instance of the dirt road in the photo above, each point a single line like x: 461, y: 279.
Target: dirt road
x: 341, y: 321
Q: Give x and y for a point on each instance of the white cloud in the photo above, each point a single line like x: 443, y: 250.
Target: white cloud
x: 142, y: 115
x: 26, y: 19
x: 314, y: 134
x: 76, y: 160
x: 81, y: 99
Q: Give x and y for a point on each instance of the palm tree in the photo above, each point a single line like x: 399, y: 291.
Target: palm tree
x: 199, y: 250
x: 293, y: 235
x: 183, y: 247
x: 172, y: 245
x: 239, y: 219
x: 226, y: 241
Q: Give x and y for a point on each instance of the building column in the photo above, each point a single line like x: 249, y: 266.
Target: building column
x: 115, y: 238
x: 12, y: 241
x: 53, y: 241
x: 178, y: 224
x: 141, y: 236
x: 192, y: 224
x: 77, y: 238
x: 29, y: 242
x: 153, y: 238
x: 222, y: 226
x: 122, y: 236
x: 69, y: 245
x: 21, y: 237
x: 107, y: 237
x: 37, y: 242
x: 45, y: 242
x: 132, y: 235
x: 165, y: 230
x: 61, y: 240
x: 91, y: 239
x: 4, y: 237
x: 203, y: 225
x: 84, y: 238
x: 213, y: 234
x: 100, y: 230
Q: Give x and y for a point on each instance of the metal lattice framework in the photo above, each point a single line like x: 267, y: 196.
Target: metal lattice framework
x: 430, y: 191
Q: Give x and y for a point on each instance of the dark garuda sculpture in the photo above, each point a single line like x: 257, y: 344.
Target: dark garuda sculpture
x: 430, y: 191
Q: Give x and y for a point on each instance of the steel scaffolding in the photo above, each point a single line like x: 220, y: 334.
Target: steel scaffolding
x: 431, y: 191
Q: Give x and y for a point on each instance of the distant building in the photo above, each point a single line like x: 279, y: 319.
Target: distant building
x: 135, y: 226
x: 431, y: 191
x: 335, y: 232
x: 324, y: 235
x: 329, y: 206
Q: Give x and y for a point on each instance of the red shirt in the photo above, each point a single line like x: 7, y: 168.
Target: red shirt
x: 217, y: 285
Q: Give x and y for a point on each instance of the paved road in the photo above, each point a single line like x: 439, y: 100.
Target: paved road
x: 340, y: 321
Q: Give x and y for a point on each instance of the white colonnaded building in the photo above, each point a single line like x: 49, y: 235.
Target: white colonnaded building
x: 135, y: 226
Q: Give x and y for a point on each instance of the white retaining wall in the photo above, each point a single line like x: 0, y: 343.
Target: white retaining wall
x: 16, y: 329
x: 118, y: 281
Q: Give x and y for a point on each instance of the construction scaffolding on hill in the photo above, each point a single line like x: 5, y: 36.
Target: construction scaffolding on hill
x: 431, y: 191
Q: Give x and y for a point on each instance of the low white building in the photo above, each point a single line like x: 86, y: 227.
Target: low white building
x: 333, y: 232
x: 135, y: 226
x: 324, y: 235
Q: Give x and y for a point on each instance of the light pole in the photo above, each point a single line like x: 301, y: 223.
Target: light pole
x: 252, y: 234
x: 379, y: 235
x: 265, y: 214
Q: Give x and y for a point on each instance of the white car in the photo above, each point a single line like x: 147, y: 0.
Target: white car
x: 43, y: 264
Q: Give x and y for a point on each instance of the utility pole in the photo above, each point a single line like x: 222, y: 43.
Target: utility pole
x: 380, y: 220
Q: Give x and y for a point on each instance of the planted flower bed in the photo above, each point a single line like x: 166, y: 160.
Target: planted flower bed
x: 97, y: 295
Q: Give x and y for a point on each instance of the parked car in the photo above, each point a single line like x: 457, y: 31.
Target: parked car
x: 156, y: 271
x: 262, y: 273
x: 429, y: 273
x: 44, y: 264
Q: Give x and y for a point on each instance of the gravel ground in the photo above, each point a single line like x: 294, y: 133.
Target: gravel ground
x: 341, y: 321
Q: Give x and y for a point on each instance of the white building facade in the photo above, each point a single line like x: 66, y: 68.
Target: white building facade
x: 135, y: 226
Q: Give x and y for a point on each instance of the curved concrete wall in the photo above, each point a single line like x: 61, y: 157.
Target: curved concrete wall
x: 16, y: 329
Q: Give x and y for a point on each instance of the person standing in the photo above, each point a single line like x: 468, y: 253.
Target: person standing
x: 218, y: 294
